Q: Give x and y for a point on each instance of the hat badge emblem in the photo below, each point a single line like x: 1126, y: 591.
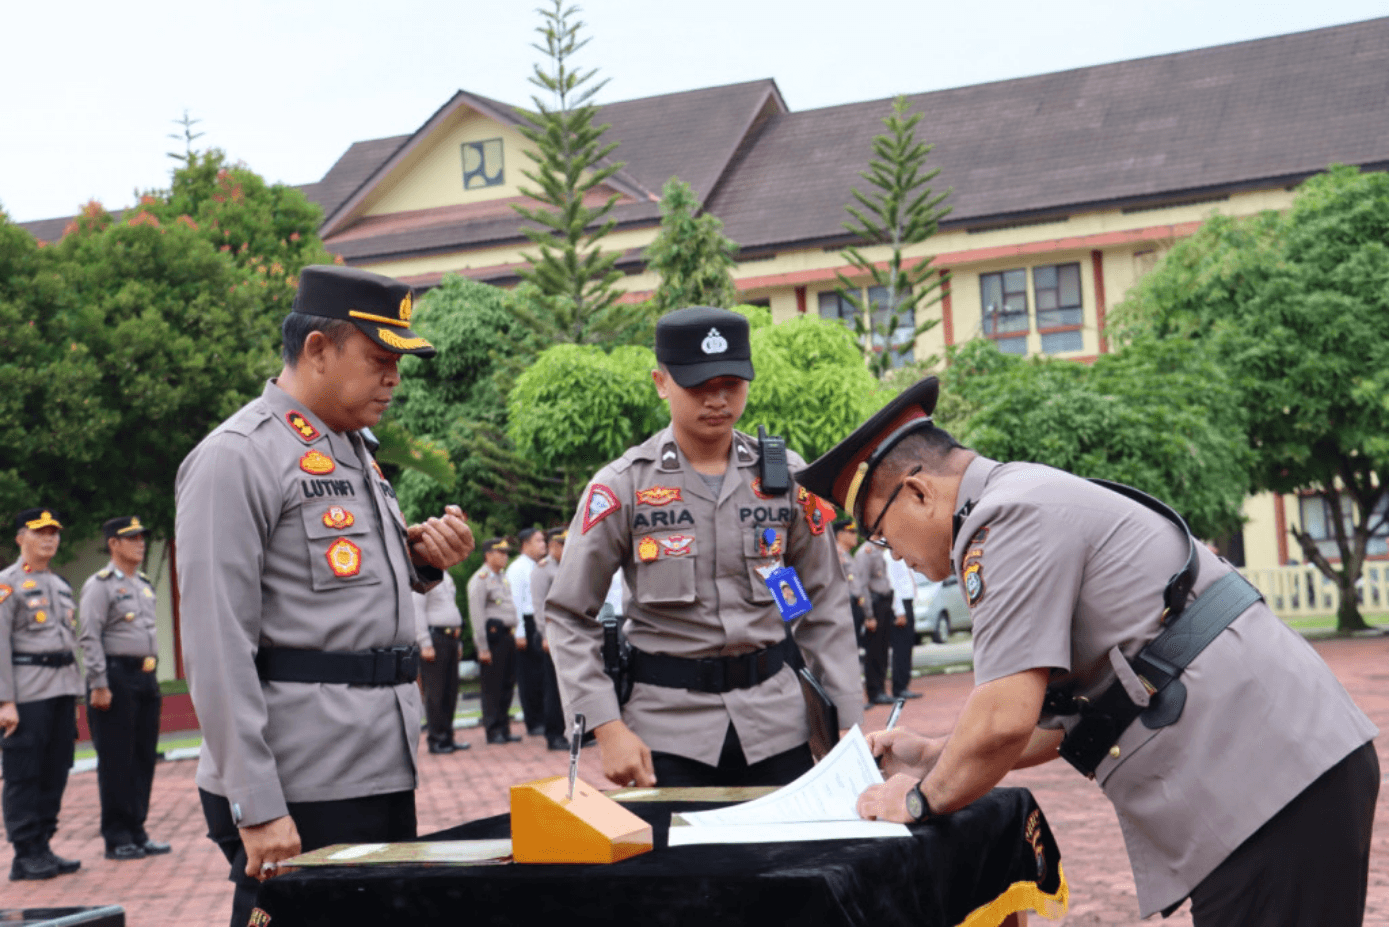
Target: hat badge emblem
x: 407, y: 308
x: 714, y: 343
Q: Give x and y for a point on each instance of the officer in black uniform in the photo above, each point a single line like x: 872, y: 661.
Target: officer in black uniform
x: 120, y: 652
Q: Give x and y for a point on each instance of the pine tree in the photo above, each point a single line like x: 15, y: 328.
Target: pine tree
x: 691, y: 254
x: 573, y: 297
x: 902, y: 211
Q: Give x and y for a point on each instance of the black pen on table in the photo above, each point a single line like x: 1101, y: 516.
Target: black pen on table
x: 574, y: 745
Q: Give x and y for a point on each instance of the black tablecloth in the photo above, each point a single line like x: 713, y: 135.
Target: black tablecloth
x: 997, y: 850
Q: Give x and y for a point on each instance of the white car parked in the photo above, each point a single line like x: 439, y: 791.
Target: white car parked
x: 940, y: 609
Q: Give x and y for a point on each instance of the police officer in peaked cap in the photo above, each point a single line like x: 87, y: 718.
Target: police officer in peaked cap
x: 295, y: 573
x: 685, y: 517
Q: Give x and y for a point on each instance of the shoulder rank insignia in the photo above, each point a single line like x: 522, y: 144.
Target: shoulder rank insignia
x: 301, y: 425
x: 317, y: 463
x: 818, y: 513
x: 601, y: 503
x: 658, y: 495
x: 344, y: 558
x: 677, y: 545
x: 338, y: 517
x: 744, y: 452
x: 670, y: 458
x: 104, y: 573
x: 5, y: 592
x: 647, y: 549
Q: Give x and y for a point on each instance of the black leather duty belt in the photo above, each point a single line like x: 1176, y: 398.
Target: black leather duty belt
x: 134, y: 664
x: 708, y: 674
x: 57, y: 658
x: 384, y: 666
x: 442, y: 631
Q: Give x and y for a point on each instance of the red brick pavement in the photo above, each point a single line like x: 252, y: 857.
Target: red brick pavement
x: 190, y: 885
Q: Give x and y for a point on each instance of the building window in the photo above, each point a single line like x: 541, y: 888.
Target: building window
x: 1316, y: 521
x: 1057, y: 289
x: 835, y: 306
x: 482, y: 164
x: 1004, y: 306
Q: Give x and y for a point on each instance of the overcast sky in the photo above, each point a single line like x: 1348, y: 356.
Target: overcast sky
x: 92, y: 88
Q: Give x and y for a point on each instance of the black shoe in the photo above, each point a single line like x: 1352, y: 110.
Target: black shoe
x: 908, y: 694
x: 503, y: 739
x: 154, y: 847
x: 442, y: 748
x: 557, y: 743
x: 65, y: 866
x: 882, y: 698
x: 32, y: 867
x: 126, y: 851
x: 536, y: 731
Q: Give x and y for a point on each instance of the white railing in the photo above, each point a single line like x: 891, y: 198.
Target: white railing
x: 1297, y: 591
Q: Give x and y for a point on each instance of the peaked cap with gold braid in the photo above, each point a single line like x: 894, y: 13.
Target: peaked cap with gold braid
x: 379, y: 306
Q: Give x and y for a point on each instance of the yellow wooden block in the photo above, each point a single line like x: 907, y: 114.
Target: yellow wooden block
x: 549, y: 827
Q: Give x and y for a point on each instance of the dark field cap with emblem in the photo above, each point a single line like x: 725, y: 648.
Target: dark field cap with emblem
x: 127, y: 526
x: 379, y: 306
x: 557, y: 534
x: 844, y: 472
x: 34, y: 519
x: 699, y: 343
x: 492, y: 544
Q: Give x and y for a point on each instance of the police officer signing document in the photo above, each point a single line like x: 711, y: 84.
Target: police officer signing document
x: 1243, y: 776
x: 686, y: 517
x: 295, y: 571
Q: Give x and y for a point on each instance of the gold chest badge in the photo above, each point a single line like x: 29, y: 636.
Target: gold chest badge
x: 317, y: 463
x: 658, y: 495
x: 647, y: 549
x: 338, y: 517
x: 344, y: 558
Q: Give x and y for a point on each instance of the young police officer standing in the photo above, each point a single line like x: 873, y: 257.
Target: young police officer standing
x: 120, y: 652
x: 686, y: 519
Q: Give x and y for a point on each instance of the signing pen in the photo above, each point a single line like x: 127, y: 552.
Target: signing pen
x: 896, y: 713
x: 574, y: 744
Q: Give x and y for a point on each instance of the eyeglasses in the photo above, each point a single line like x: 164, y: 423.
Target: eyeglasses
x: 873, y: 537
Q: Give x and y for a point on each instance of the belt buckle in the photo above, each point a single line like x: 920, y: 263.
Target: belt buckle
x: 149, y: 664
x: 713, y: 674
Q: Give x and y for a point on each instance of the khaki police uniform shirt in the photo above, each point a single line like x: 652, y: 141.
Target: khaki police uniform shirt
x: 289, y: 536
x: 691, y: 561
x: 870, y: 565
x: 489, y: 599
x: 542, y: 578
x: 37, y: 615
x: 118, y: 619
x: 1064, y: 574
x: 438, y: 608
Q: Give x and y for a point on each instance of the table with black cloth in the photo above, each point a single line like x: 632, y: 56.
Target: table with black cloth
x: 973, y: 867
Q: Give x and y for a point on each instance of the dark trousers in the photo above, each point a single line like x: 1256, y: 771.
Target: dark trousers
x: 733, y: 770
x: 530, y: 677
x: 1309, y: 865
x: 554, y: 708
x: 875, y: 645
x: 373, y: 819
x: 498, y: 680
x: 856, y: 610
x: 439, y: 681
x: 902, y: 640
x: 36, y: 760
x: 126, y: 737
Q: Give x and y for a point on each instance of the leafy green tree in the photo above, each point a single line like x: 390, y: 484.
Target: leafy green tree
x: 1295, y: 308
x: 692, y: 256
x: 1155, y: 415
x: 901, y: 210
x: 574, y: 298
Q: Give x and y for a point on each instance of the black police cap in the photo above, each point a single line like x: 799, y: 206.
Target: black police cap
x: 492, y: 544
x: 557, y: 534
x: 126, y: 526
x: 699, y: 343
x: 379, y: 306
x: 34, y: 519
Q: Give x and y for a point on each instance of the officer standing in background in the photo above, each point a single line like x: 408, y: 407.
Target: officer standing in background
x: 493, y: 616
x: 1243, y: 775
x: 39, y: 688
x: 685, y: 516
x: 120, y: 653
x: 541, y: 580
x: 295, y: 572
x: 438, y: 612
x: 903, y: 633
x: 530, y: 659
x: 845, y: 537
x: 871, y: 568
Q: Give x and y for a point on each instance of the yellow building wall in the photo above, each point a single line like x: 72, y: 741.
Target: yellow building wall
x: 1261, y: 530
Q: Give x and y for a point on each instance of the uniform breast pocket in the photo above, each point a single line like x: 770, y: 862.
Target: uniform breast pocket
x: 763, y: 548
x: 342, y: 548
x: 665, y: 569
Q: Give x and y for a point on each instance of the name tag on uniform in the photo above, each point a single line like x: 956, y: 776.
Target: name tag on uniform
x: 788, y: 592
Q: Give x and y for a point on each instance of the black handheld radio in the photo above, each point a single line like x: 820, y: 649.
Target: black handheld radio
x: 775, y: 473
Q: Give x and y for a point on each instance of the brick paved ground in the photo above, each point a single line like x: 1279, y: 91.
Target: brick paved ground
x: 190, y: 886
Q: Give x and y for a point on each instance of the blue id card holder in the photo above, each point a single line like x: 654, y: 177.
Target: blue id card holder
x: 788, y: 592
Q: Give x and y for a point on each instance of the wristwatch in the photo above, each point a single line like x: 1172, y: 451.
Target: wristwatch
x: 917, y: 805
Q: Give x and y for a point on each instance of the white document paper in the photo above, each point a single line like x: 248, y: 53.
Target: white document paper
x: 803, y: 809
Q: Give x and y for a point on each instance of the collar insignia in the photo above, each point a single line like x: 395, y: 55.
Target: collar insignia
x: 317, y: 463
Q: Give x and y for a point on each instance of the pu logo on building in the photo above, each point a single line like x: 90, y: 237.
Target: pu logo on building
x: 714, y: 343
